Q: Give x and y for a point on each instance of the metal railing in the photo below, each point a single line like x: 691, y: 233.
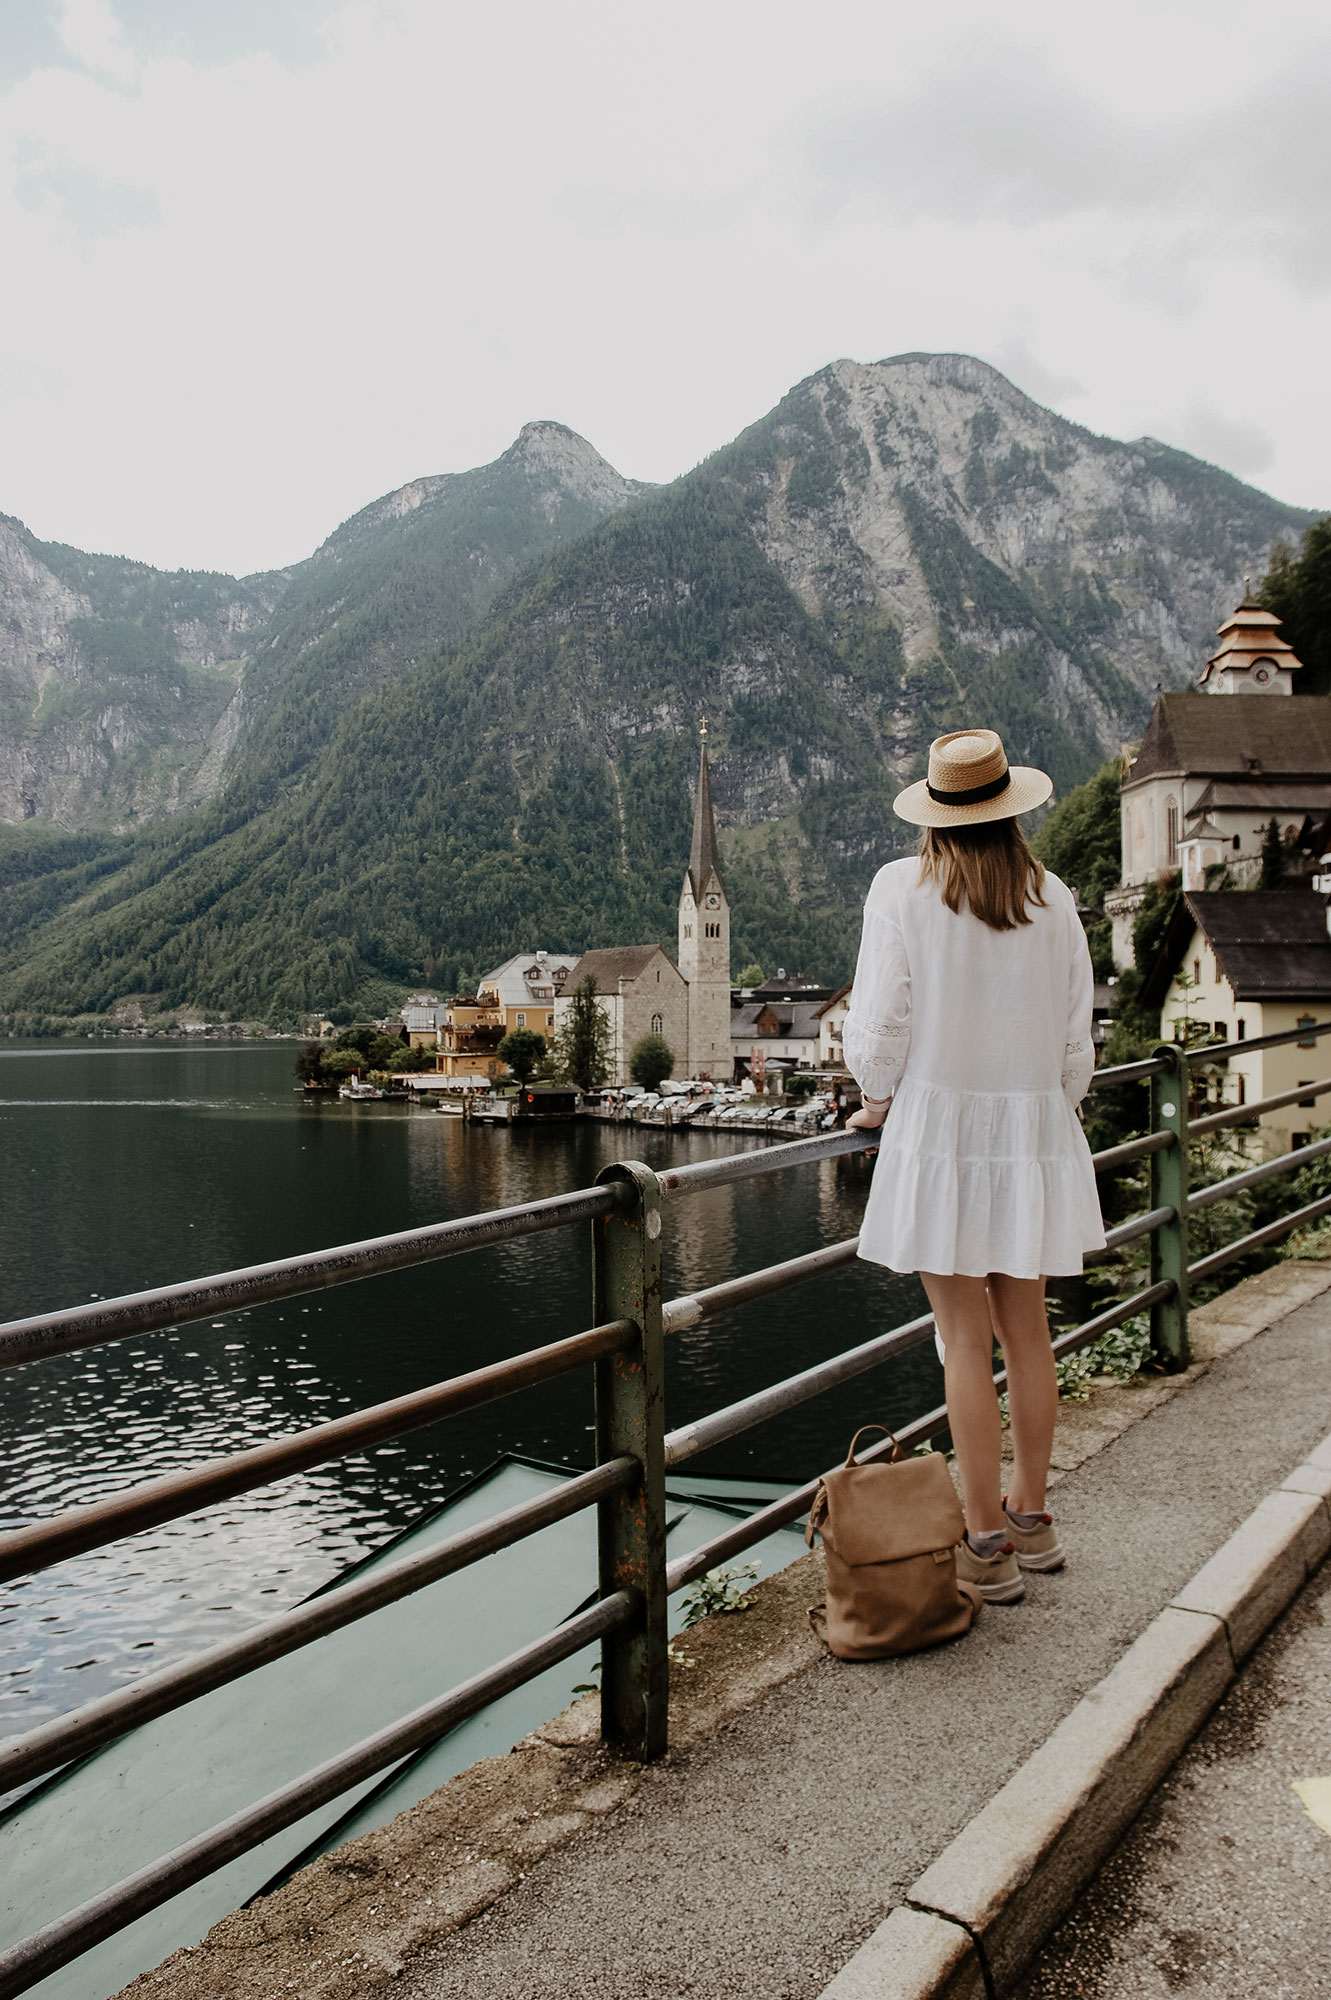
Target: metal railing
x: 625, y: 1348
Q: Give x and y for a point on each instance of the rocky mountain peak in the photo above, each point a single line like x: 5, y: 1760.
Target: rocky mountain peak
x: 564, y: 464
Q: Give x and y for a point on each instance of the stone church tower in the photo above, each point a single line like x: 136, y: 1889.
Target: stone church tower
x: 704, y: 942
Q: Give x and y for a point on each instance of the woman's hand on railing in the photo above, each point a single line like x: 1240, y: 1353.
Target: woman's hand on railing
x: 869, y: 1116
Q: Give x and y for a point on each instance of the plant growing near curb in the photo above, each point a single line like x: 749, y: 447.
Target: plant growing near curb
x: 721, y: 1590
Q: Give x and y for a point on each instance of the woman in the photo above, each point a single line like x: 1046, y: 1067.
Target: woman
x: 971, y: 1018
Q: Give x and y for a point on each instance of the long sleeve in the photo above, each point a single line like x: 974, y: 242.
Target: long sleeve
x: 876, y: 1037
x: 1079, y: 1052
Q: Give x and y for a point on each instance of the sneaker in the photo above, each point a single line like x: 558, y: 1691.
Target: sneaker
x: 998, y: 1580
x: 1035, y: 1548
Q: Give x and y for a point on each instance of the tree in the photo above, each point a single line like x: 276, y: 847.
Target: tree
x: 1082, y: 842
x: 407, y: 1061
x: 374, y: 1048
x: 522, y: 1049
x: 1273, y: 858
x: 1298, y: 590
x: 582, y: 1044
x: 311, y: 1064
x: 651, y: 1061
x: 749, y: 975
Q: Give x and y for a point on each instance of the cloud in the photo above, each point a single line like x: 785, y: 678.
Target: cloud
x: 1016, y: 359
x: 1237, y: 446
x: 90, y: 206
x: 998, y: 136
x: 92, y: 35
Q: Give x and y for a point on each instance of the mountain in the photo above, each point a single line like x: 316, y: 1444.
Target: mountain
x: 895, y: 550
x: 128, y: 694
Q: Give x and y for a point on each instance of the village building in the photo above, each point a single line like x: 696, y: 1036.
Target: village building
x: 525, y: 988
x: 423, y: 1020
x: 1210, y: 775
x: 640, y: 991
x: 1251, y: 965
x: 831, y: 1019
x: 469, y: 1038
x: 774, y: 1035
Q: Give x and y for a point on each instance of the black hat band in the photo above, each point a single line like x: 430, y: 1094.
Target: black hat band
x: 974, y: 795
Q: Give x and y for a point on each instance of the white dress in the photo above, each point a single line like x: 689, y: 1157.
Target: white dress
x: 982, y: 1039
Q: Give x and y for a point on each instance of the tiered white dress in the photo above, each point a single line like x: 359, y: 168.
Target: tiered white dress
x: 982, y: 1038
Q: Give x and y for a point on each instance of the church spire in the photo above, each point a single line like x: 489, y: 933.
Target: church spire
x: 704, y: 855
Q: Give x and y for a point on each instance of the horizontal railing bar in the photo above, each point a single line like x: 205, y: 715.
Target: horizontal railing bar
x: 746, y: 1534
x: 25, y: 1757
x: 1128, y: 1232
x: 1243, y: 1244
x: 1222, y: 1051
x: 692, y: 1306
x: 756, y: 1409
x: 741, y: 1166
x: 1284, y: 1163
x: 55, y: 1944
x: 1132, y: 1149
x: 1241, y: 1114
x: 1131, y: 1072
x: 76, y: 1327
x: 79, y: 1529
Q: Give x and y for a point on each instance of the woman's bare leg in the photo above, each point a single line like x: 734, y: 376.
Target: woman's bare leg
x: 1017, y: 1309
x: 961, y: 1310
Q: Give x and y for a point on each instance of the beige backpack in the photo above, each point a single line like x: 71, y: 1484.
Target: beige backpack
x: 890, y: 1530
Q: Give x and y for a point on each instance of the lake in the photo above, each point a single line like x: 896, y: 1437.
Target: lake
x: 135, y: 1165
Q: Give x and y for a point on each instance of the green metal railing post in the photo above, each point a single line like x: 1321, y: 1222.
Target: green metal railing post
x: 630, y: 1420
x: 1169, y: 1189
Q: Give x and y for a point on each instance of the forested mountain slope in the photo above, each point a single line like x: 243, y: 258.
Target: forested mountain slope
x: 895, y: 550
x: 128, y: 693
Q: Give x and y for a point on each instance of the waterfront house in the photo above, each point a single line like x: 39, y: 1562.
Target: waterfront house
x: 469, y: 1037
x: 423, y: 1020
x: 525, y: 987
x: 1256, y: 964
x: 780, y: 1035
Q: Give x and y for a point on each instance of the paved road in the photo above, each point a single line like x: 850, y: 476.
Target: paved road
x: 1222, y: 1887
x: 755, y: 1865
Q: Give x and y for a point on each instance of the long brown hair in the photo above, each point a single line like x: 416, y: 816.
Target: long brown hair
x: 986, y: 868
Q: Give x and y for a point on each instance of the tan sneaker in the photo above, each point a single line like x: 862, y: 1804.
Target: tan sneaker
x: 1035, y: 1548
x: 998, y: 1580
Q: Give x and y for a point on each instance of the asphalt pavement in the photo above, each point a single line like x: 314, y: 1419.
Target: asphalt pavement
x: 755, y: 1864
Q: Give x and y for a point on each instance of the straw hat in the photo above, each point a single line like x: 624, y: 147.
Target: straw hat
x: 971, y: 780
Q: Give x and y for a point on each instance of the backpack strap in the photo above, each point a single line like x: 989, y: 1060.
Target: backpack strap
x: 897, y: 1452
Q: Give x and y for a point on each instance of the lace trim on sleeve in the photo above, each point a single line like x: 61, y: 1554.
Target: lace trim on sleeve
x: 883, y: 1028
x: 1076, y: 1048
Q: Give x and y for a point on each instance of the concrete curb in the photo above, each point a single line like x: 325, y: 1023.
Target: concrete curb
x: 976, y: 1917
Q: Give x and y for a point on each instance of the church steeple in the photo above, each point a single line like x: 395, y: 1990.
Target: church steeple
x: 704, y: 940
x: 704, y: 854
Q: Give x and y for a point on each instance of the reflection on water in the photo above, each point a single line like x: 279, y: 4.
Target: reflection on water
x: 125, y: 1168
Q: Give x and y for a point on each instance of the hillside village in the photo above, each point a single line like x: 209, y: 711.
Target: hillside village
x: 1218, y: 924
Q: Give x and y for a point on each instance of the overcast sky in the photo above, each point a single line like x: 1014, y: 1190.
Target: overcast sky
x: 266, y: 259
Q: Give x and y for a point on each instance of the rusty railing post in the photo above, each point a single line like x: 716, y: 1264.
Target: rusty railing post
x: 1169, y: 1189
x: 630, y: 1418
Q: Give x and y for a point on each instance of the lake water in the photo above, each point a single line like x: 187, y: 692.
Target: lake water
x: 127, y: 1167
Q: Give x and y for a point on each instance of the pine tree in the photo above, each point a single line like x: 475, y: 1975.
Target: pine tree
x: 1273, y: 858
x: 582, y: 1044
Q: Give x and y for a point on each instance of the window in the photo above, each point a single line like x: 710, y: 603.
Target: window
x: 1296, y: 1140
x: 657, y: 1024
x: 1196, y: 972
x: 1241, y: 1030
x: 1237, y: 842
x: 658, y: 975
x: 688, y: 930
x: 549, y: 1020
x: 1306, y: 1041
x: 521, y: 1020
x: 1243, y: 1090
x: 1171, y: 831
x: 1307, y: 1103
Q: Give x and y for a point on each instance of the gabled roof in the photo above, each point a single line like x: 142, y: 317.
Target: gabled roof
x: 704, y: 854
x: 1278, y: 795
x: 1216, y: 736
x: 767, y: 1020
x: 841, y: 994
x: 1270, y: 944
x: 616, y: 962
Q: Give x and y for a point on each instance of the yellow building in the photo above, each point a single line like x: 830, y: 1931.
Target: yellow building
x: 1242, y: 965
x: 524, y: 988
x: 469, y: 1034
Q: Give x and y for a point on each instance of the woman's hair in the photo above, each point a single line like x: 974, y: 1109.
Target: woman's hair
x: 987, y: 867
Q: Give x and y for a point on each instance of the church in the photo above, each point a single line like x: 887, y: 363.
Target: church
x: 641, y: 992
